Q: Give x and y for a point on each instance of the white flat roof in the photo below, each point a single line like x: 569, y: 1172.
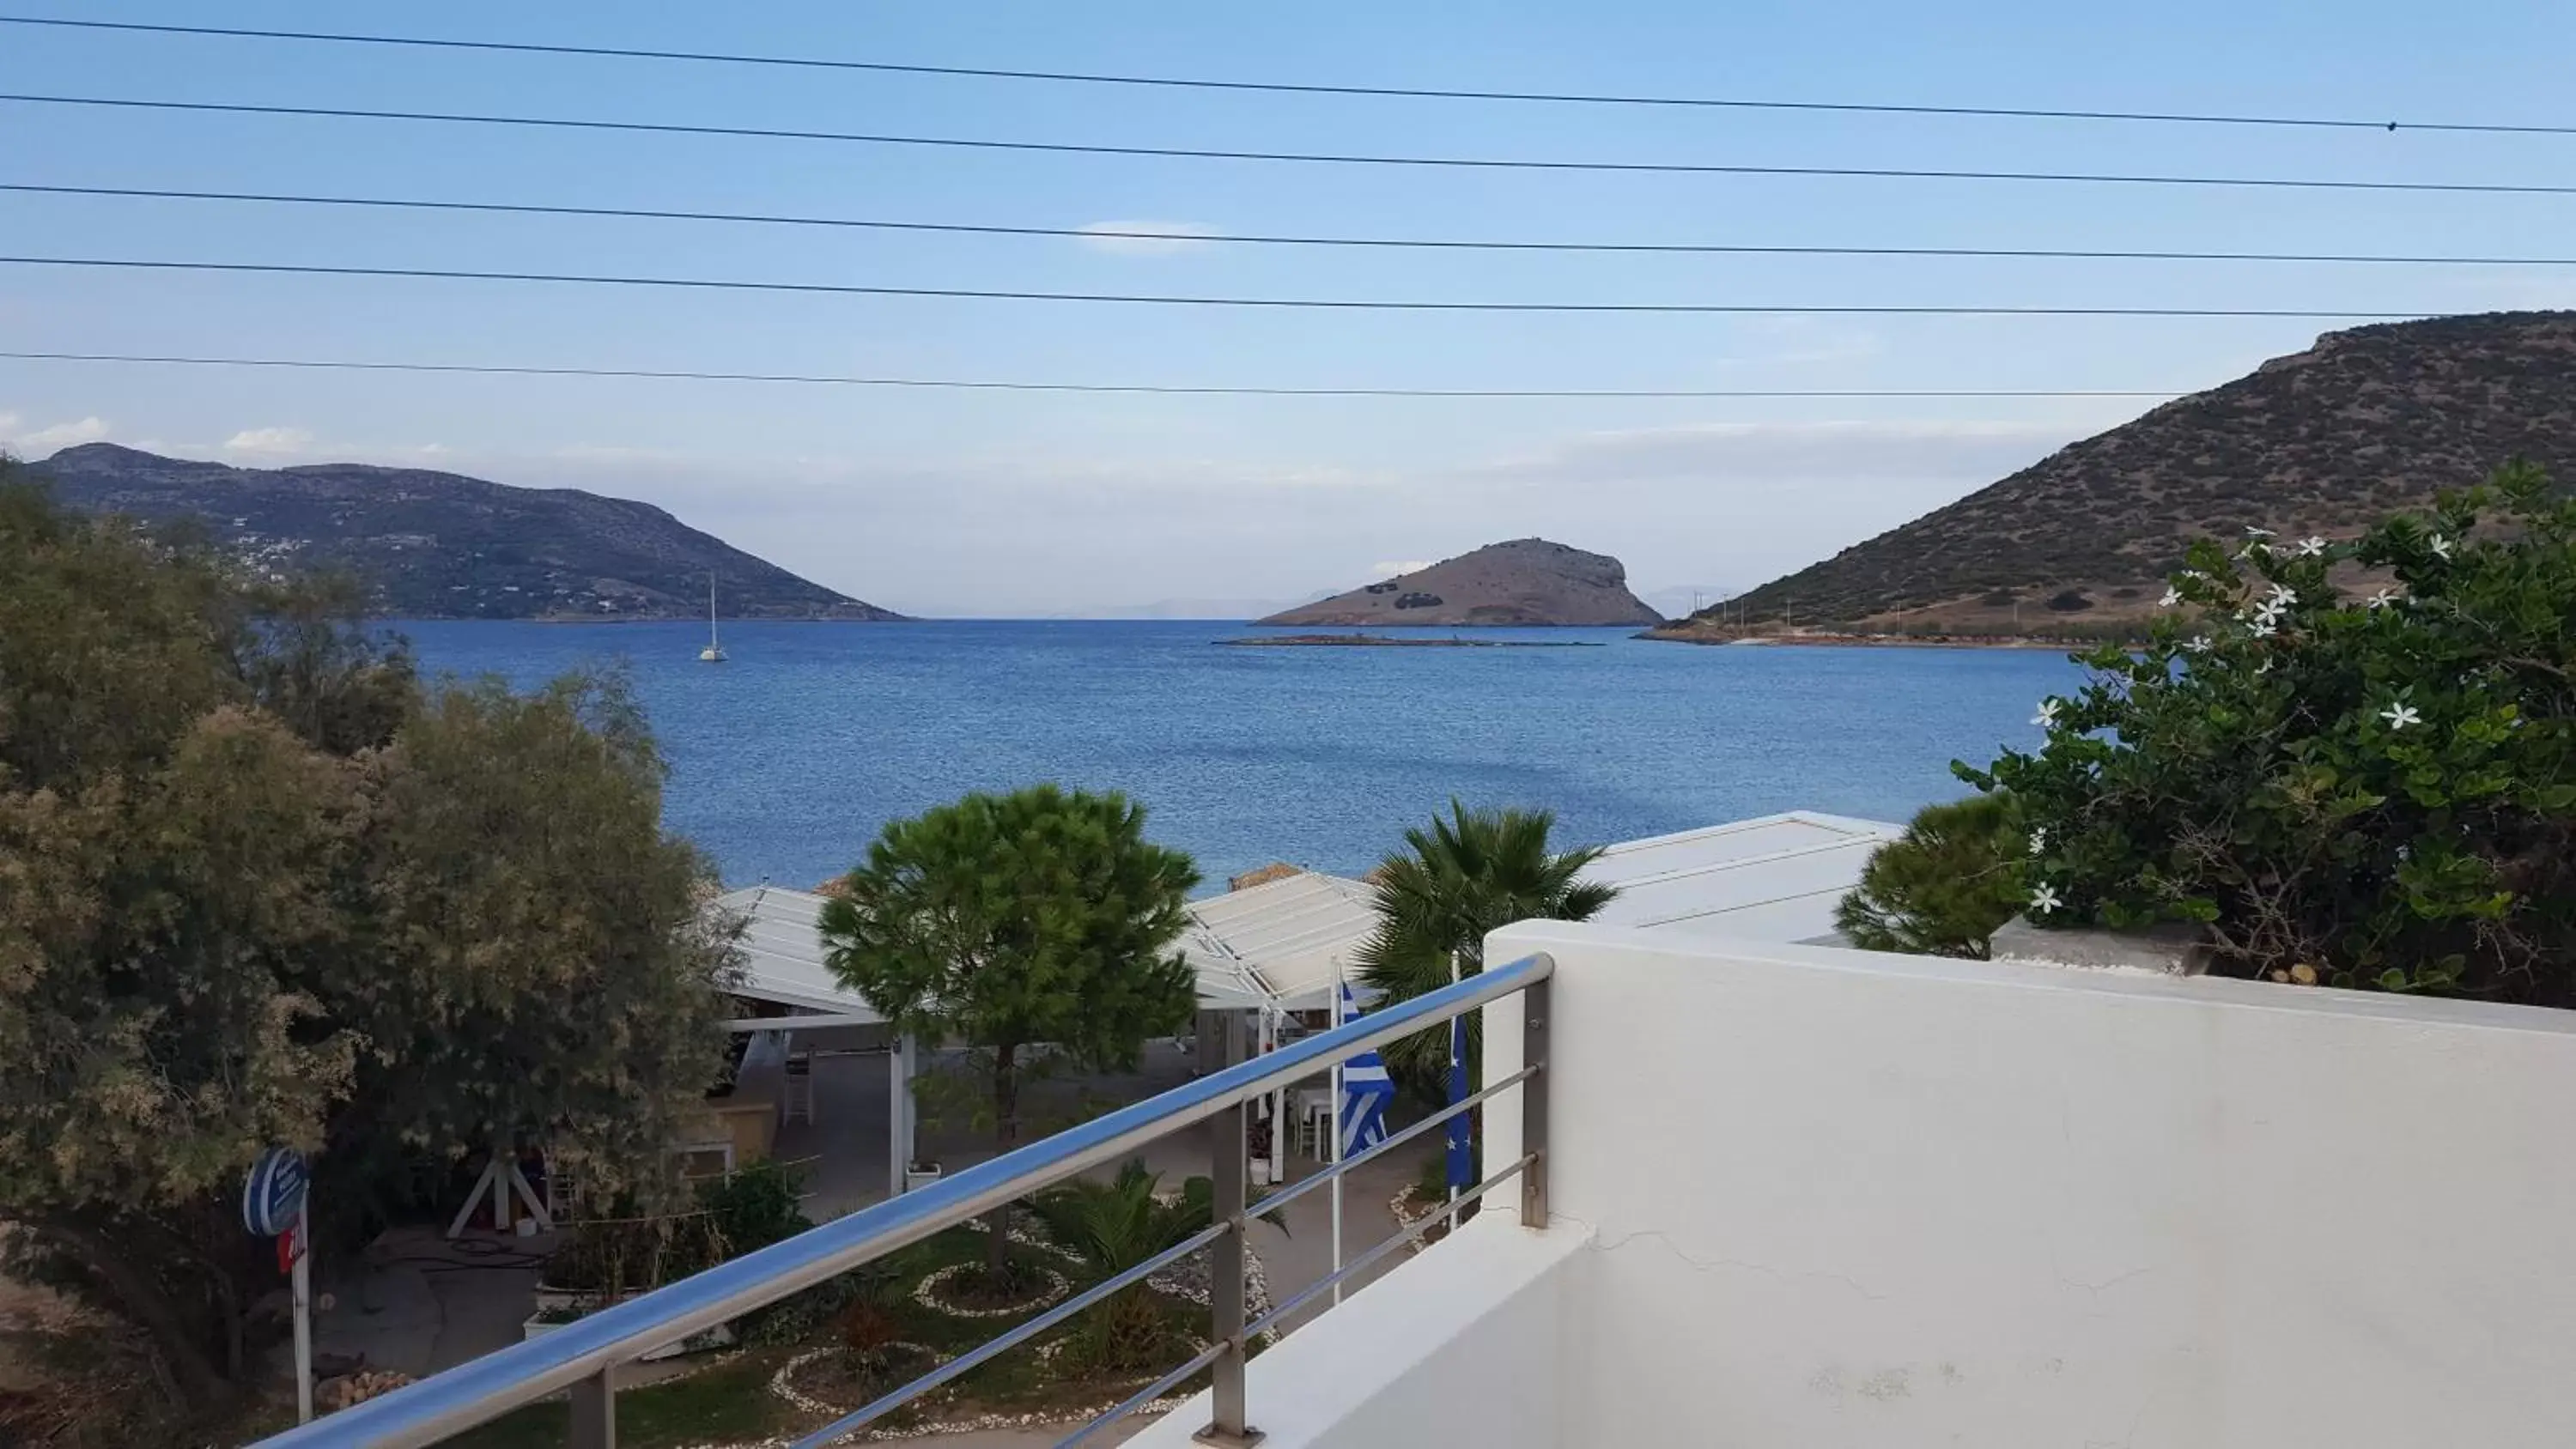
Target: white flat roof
x: 1284, y: 943
x: 783, y: 956
x: 782, y: 946
x: 1773, y: 878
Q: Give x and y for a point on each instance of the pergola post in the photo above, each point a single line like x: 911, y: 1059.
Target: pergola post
x: 899, y: 1115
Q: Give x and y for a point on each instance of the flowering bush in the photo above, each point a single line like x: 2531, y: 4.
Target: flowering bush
x: 2374, y: 792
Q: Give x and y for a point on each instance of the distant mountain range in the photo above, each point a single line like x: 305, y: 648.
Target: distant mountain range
x: 1527, y: 581
x: 2325, y: 441
x: 444, y: 546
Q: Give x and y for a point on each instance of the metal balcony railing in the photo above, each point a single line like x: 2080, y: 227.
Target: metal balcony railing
x: 585, y: 1356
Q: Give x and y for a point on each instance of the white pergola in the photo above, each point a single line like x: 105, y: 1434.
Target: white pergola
x: 1773, y: 878
x: 1283, y: 946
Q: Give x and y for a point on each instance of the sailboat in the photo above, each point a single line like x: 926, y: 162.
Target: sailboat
x: 714, y: 652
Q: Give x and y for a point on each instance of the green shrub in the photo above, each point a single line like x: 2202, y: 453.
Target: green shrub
x: 1943, y: 887
x: 755, y: 1206
x: 2374, y: 792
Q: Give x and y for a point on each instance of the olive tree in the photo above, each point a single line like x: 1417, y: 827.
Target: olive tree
x: 259, y: 887
x: 1024, y: 925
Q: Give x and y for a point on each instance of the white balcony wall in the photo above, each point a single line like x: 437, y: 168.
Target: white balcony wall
x: 1844, y: 1199
x: 1820, y: 1199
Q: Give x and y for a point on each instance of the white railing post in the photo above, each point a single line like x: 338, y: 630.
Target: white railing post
x: 1534, y: 1094
x: 594, y: 1411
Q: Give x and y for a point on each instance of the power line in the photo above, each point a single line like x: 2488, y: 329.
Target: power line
x: 1145, y: 233
x: 1482, y: 163
x: 2026, y: 113
x: 1340, y: 304
x: 1157, y: 389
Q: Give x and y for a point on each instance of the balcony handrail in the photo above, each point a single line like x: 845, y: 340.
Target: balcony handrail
x: 483, y: 1389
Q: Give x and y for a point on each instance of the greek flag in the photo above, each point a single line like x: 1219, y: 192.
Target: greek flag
x: 1366, y: 1091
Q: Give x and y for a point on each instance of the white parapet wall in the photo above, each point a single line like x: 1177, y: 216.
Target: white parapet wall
x: 1843, y: 1199
x: 1461, y: 1346
x: 1807, y: 1198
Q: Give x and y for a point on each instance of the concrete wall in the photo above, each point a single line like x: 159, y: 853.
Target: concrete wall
x: 1460, y: 1346
x: 1837, y: 1199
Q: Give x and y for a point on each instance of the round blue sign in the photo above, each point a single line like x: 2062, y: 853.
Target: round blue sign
x: 274, y: 1192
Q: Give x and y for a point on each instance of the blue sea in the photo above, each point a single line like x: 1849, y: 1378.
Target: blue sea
x: 787, y: 760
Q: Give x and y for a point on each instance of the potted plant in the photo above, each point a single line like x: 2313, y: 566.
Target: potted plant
x: 548, y: 1318
x: 1257, y: 1141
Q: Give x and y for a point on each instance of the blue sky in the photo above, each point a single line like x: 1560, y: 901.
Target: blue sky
x: 1025, y: 503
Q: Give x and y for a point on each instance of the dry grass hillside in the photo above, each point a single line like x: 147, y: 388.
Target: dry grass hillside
x: 2320, y: 442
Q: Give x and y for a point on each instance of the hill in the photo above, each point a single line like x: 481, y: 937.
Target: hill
x: 2320, y: 442
x: 1528, y: 581
x: 444, y: 546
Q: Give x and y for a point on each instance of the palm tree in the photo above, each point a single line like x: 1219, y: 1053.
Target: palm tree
x: 1115, y: 1226
x: 1472, y: 872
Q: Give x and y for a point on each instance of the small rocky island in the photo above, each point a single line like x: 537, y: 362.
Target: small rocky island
x: 1526, y: 583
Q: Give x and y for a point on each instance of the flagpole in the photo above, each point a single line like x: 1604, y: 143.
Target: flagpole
x: 1336, y: 1129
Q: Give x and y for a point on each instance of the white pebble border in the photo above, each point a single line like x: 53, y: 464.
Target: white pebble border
x: 1191, y: 1289
x: 778, y: 1385
x: 1408, y: 1207
x: 1256, y: 1294
x: 926, y: 1292
x: 1022, y: 1237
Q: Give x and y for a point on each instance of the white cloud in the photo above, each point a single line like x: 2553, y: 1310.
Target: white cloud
x: 60, y: 435
x: 1386, y: 570
x: 269, y: 440
x: 1177, y: 236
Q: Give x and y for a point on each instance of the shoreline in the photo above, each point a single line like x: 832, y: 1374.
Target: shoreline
x: 1377, y: 641
x: 1873, y: 641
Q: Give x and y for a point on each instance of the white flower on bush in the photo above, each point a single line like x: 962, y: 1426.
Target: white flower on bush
x: 2043, y: 898
x: 2311, y: 546
x: 2400, y: 715
x: 2047, y: 716
x: 2441, y: 546
x: 2039, y: 840
x: 2197, y: 644
x: 2252, y: 532
x: 2383, y: 598
x: 2172, y: 597
x: 2266, y: 624
x: 2281, y: 596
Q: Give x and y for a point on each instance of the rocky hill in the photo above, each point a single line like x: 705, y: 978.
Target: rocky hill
x: 443, y: 546
x: 2320, y: 442
x: 1528, y: 581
